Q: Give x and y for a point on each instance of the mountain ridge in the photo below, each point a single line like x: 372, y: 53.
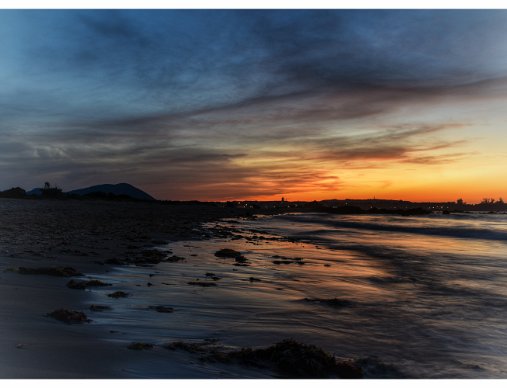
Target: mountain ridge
x: 114, y: 189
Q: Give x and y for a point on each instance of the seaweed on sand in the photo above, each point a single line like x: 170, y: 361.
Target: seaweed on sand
x: 288, y: 358
x: 239, y: 259
x: 278, y: 262
x: 334, y: 302
x: 191, y: 347
x: 50, y: 271
x: 295, y: 360
x: 211, y: 275
x: 118, y: 294
x: 69, y: 316
x: 287, y: 260
x: 115, y: 262
x: 174, y: 259
x: 162, y: 309
x: 83, y: 284
x: 228, y: 253
x: 140, y: 346
x: 150, y: 257
x: 202, y: 284
x: 99, y: 307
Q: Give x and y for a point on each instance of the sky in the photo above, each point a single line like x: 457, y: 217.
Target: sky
x: 257, y: 104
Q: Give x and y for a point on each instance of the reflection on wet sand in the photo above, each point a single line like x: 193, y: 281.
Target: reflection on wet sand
x: 431, y: 305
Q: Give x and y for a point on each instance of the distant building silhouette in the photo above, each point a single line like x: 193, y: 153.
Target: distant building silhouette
x: 51, y: 192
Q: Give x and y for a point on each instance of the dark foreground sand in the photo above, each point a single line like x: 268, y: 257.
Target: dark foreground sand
x: 82, y: 235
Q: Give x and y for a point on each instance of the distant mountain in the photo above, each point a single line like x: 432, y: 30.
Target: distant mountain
x: 37, y: 192
x: 120, y: 189
x: 15, y: 192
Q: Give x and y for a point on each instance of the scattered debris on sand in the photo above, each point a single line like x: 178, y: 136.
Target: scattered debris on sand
x: 140, y: 346
x: 239, y: 259
x: 162, y: 309
x: 99, y: 307
x: 334, y: 302
x: 282, y: 260
x: 69, y: 316
x: 83, y: 284
x: 115, y: 262
x: 194, y: 347
x: 228, y: 253
x: 118, y: 294
x: 211, y: 275
x: 150, y: 257
x: 202, y: 284
x: 174, y: 259
x: 50, y: 271
x: 278, y: 262
x: 290, y: 359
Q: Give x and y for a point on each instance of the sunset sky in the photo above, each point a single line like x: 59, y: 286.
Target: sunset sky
x: 221, y: 105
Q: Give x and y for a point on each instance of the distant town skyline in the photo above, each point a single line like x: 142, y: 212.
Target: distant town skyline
x: 257, y: 104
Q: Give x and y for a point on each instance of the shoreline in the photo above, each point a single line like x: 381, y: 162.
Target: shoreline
x: 63, y: 234
x: 201, y: 285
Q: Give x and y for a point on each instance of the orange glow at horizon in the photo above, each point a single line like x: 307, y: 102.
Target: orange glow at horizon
x: 435, y: 159
x: 470, y: 180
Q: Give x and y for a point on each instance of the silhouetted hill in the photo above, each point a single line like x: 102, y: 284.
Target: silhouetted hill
x: 121, y: 190
x: 47, y: 191
x: 36, y: 192
x: 15, y: 192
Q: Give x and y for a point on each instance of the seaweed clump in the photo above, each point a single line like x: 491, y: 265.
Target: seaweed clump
x: 175, y: 259
x: 83, y: 284
x: 150, y: 257
x: 140, y: 346
x: 118, y: 294
x: 202, y: 284
x: 50, y: 271
x: 69, y: 316
x: 162, y: 309
x: 288, y: 358
x: 334, y: 302
x: 292, y: 359
x: 228, y: 253
x: 190, y: 347
x: 99, y: 307
x: 287, y: 260
x: 239, y: 259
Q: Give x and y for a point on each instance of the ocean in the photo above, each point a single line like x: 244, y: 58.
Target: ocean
x: 426, y: 295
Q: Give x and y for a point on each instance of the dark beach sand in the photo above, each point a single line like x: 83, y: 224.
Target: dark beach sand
x: 82, y: 235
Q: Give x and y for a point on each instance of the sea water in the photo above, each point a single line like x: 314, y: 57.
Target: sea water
x: 425, y: 294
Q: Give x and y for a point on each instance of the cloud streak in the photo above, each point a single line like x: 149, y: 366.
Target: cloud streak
x: 234, y: 104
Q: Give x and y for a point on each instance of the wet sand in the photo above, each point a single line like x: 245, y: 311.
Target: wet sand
x: 82, y: 235
x: 179, y: 290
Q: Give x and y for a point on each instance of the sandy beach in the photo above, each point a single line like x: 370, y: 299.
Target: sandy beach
x: 81, y: 235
